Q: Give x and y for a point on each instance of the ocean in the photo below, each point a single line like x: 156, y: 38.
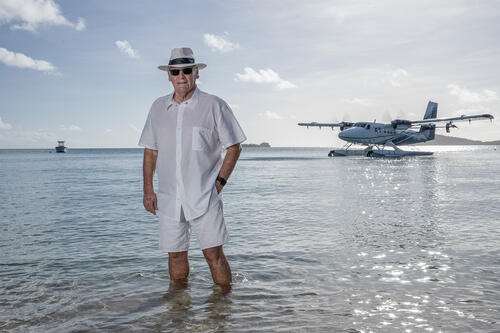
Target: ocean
x: 317, y: 244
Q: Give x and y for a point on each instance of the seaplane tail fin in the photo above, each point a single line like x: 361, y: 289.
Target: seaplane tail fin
x: 432, y: 110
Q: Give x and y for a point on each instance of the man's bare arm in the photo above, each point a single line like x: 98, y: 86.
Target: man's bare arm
x: 148, y: 170
x: 232, y: 155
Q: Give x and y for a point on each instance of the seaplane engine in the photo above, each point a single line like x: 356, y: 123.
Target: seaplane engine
x: 345, y: 124
x: 401, y: 124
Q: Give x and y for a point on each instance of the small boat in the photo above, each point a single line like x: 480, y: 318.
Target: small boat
x: 60, y: 148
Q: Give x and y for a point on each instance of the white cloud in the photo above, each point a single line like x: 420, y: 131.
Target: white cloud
x: 397, y: 77
x: 29, y: 138
x: 72, y: 128
x: 20, y: 60
x: 80, y: 25
x: 220, y: 43
x: 108, y: 130
x: 264, y: 76
x: 31, y: 14
x: 270, y: 115
x: 467, y: 96
x: 126, y: 48
x: 4, y: 126
x: 134, y: 128
x: 359, y: 101
x: 338, y: 13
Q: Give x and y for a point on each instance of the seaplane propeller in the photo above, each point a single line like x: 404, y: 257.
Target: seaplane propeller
x: 344, y: 125
x: 450, y: 125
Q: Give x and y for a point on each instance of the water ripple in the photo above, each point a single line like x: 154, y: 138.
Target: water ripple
x: 317, y: 244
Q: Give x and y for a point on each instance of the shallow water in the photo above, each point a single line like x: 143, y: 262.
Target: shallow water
x: 317, y: 244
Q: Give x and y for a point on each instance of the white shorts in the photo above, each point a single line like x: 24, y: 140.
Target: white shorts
x: 209, y: 228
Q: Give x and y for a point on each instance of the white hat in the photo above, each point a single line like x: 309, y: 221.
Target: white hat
x: 181, y: 57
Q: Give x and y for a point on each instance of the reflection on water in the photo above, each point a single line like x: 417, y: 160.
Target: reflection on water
x: 317, y: 244
x: 217, y: 310
x: 179, y: 309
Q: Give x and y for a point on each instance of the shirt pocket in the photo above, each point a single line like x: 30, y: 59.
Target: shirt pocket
x: 202, y: 139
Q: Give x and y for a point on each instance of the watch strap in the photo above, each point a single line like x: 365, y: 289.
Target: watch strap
x: 221, y: 180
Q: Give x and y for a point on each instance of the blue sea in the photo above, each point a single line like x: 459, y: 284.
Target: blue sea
x: 317, y: 244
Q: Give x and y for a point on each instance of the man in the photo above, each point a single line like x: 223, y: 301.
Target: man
x: 183, y: 139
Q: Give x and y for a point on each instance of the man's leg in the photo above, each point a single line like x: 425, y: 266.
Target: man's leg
x: 178, y: 267
x: 219, y: 267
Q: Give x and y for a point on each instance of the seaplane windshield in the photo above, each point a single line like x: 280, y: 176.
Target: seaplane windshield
x: 359, y: 124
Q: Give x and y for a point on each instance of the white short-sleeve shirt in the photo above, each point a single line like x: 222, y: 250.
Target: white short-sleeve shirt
x: 189, y: 138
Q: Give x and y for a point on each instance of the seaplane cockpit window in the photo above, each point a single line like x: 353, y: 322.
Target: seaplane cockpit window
x: 368, y: 126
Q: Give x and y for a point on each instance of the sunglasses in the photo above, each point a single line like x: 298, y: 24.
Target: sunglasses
x: 186, y: 71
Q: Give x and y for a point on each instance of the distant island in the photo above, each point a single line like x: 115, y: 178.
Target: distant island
x: 263, y: 144
x: 444, y: 140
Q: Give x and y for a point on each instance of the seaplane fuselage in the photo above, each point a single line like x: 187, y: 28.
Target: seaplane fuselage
x: 366, y: 133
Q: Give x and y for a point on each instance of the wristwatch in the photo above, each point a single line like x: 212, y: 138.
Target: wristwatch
x: 221, y: 180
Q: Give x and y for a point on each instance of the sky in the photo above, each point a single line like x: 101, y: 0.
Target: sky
x: 86, y: 71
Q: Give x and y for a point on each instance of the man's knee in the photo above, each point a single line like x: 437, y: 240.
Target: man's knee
x: 214, y: 255
x: 221, y: 272
x: 178, y: 256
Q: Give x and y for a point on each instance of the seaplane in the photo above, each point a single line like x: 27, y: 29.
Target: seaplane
x: 378, y: 136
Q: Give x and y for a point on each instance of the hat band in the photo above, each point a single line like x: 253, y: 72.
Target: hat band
x: 179, y: 61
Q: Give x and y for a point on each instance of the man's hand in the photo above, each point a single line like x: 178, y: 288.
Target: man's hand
x: 232, y: 155
x: 150, y: 202
x: 148, y: 168
x: 218, y: 186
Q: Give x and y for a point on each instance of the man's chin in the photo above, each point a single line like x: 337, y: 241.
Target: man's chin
x: 183, y: 88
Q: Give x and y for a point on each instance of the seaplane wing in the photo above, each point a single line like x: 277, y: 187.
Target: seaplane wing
x: 342, y: 125
x: 451, y: 119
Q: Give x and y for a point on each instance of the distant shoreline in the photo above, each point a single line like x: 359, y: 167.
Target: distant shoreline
x: 263, y: 144
x: 444, y: 140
